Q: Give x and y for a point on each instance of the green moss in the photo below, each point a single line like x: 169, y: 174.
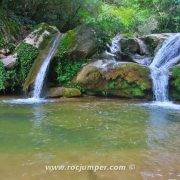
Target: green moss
x: 175, y: 83
x: 67, y: 41
x: 127, y: 80
x: 26, y: 54
x: 71, y: 92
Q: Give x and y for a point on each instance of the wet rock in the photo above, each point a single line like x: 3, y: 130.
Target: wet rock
x: 144, y: 60
x: 56, y: 92
x: 154, y: 41
x: 134, y: 46
x: 129, y: 46
x: 122, y: 79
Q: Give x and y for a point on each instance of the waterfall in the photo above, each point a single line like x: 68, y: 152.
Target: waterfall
x: 39, y: 81
x: 115, y: 46
x: 167, y: 56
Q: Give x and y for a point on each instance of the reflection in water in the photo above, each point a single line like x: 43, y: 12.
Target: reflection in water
x: 38, y: 115
x: 157, y: 129
x: 162, y: 141
x: 162, y: 128
x: 98, y: 132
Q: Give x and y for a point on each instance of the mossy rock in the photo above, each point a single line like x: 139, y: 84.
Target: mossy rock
x: 175, y: 83
x: 56, y: 92
x: 71, y: 92
x: 78, y: 43
x: 122, y: 79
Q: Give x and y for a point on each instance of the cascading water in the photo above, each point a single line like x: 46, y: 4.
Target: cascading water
x: 39, y: 81
x: 167, y: 56
x: 115, y: 46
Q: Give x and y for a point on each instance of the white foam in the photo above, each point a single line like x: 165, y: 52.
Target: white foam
x: 166, y: 105
x: 26, y: 101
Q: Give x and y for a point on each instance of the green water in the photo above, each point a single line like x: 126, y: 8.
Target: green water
x: 89, y: 131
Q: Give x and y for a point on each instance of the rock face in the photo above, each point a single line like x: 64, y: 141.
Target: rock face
x: 56, y: 92
x: 154, y: 41
x: 175, y: 83
x: 116, y: 79
x: 42, y: 38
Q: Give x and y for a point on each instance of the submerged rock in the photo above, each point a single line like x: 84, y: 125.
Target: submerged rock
x: 113, y: 78
x: 56, y: 92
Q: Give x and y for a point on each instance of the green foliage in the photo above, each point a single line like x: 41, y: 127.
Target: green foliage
x: 2, y: 42
x: 126, y: 88
x: 66, y: 70
x: 155, y: 15
x: 9, y: 28
x: 106, y: 24
x: 13, y: 81
x: 26, y: 54
x: 13, y: 78
x: 67, y: 42
x: 176, y: 83
x: 2, y: 76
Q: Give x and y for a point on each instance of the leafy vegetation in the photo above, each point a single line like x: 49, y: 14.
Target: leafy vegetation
x: 176, y: 83
x: 2, y: 76
x: 26, y: 54
x: 13, y: 79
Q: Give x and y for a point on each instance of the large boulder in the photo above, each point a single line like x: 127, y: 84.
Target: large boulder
x: 56, y: 92
x: 175, y: 83
x: 122, y: 79
x: 78, y: 43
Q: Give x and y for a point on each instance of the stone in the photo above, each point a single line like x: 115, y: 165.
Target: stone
x: 9, y: 61
x: 56, y: 92
x: 78, y: 43
x: 121, y: 79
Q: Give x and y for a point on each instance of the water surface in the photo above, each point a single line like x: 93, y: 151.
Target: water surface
x: 89, y: 131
